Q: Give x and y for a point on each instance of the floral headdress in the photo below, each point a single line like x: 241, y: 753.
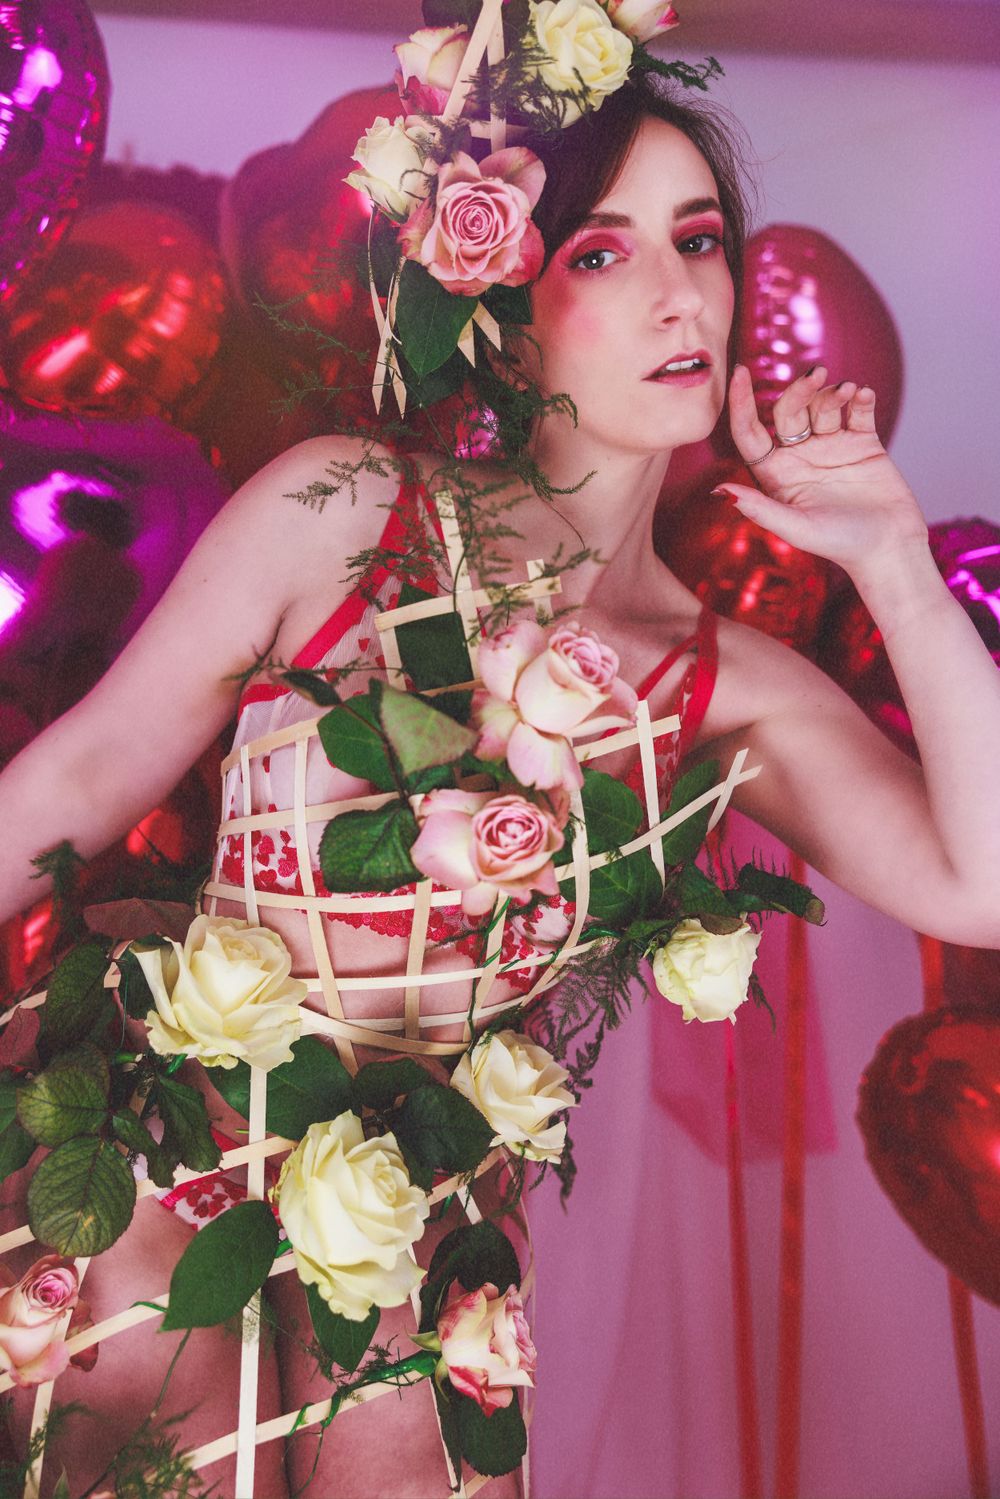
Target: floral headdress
x: 480, y: 75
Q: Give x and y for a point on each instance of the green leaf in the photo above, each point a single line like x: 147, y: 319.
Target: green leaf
x: 69, y: 1098
x: 420, y: 735
x: 448, y: 1416
x: 369, y: 850
x: 77, y: 1005
x: 775, y: 892
x: 353, y: 742
x: 346, y: 1342
x: 81, y: 1197
x: 315, y: 1086
x: 222, y: 1267
x: 187, y: 1134
x: 130, y: 1130
x: 136, y: 995
x: 613, y: 812
x: 61, y: 1490
x: 493, y: 1444
x: 508, y: 304
x: 699, y: 895
x: 475, y: 1255
x: 429, y: 319
x: 16, y: 1149
x: 433, y: 650
x: 427, y: 390
x: 624, y: 889
x: 313, y: 685
x: 233, y: 1083
x: 686, y: 839
x: 61, y: 1104
x: 439, y: 1129
x: 379, y: 1084
x: 450, y: 12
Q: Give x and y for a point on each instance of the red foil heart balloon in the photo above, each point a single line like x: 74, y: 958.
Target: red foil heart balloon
x: 929, y: 1110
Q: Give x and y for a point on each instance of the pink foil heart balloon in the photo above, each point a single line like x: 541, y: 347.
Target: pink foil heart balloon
x: 806, y: 302
x: 929, y: 1110
x: 53, y: 119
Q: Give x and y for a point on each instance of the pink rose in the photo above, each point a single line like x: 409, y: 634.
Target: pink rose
x: 429, y: 63
x: 32, y: 1340
x: 486, y: 1345
x: 479, y: 231
x: 641, y: 19
x: 540, y: 691
x: 480, y: 843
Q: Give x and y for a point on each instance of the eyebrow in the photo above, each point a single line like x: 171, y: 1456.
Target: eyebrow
x: 605, y: 220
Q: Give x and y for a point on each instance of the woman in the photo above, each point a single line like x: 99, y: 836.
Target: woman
x: 632, y: 316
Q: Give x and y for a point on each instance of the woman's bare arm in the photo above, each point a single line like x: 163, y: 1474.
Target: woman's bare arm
x: 92, y: 774
x: 920, y: 841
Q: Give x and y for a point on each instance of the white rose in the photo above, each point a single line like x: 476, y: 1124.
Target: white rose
x: 706, y: 973
x: 395, y: 170
x: 225, y: 996
x: 517, y: 1086
x: 429, y: 63
x: 587, y: 52
x: 352, y: 1214
x: 642, y: 19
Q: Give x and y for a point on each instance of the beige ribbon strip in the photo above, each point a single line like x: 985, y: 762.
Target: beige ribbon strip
x: 650, y: 788
x: 415, y: 958
x: 246, y: 1429
x: 489, y: 20
x: 249, y: 889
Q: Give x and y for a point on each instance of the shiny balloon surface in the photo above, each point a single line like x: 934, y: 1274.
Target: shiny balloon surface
x: 125, y: 321
x: 929, y: 1111
x: 741, y: 570
x: 53, y: 122
x: 851, y: 649
x: 806, y: 302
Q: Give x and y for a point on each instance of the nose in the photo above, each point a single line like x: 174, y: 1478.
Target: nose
x: 678, y: 295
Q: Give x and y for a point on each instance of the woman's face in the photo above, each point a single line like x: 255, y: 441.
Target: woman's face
x: 643, y: 284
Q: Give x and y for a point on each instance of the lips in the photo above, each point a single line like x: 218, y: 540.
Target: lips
x: 683, y: 356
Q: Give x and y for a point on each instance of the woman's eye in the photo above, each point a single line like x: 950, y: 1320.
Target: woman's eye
x: 595, y: 260
x: 703, y: 243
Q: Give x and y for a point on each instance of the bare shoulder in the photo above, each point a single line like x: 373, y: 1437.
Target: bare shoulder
x: 759, y: 679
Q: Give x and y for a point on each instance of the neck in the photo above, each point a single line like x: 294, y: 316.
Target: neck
x: 610, y: 513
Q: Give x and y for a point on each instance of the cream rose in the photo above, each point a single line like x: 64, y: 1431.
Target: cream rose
x: 706, y: 973
x: 517, y: 1086
x: 429, y: 64
x: 32, y: 1331
x: 642, y: 19
x: 486, y: 1346
x: 395, y: 168
x: 225, y: 996
x: 352, y: 1215
x: 587, y: 54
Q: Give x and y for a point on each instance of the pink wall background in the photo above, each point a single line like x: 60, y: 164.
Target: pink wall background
x: 898, y: 163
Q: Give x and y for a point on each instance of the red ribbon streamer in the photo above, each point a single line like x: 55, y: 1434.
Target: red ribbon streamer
x: 962, y: 1326
x: 790, y: 1274
x: 752, y: 1485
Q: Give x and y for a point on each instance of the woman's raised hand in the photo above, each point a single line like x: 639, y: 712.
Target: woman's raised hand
x: 835, y: 493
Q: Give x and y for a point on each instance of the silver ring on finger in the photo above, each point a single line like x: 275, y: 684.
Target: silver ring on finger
x: 790, y: 442
x: 752, y: 462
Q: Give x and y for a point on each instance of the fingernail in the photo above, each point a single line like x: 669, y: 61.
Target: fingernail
x: 721, y: 493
